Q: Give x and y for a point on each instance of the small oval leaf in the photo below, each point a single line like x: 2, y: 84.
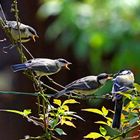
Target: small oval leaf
x: 93, y: 135
x: 102, y: 130
x: 105, y: 111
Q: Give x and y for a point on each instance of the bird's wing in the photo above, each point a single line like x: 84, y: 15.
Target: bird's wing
x: 86, y: 83
x: 43, y: 65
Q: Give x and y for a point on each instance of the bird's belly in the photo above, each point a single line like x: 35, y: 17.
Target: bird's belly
x: 84, y: 92
x: 43, y: 73
x: 15, y: 36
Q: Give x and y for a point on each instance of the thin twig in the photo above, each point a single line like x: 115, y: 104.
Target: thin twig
x: 126, y: 132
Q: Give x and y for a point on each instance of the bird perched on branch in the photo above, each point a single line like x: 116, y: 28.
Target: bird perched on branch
x: 42, y: 66
x: 86, y: 85
x: 122, y: 82
x: 26, y: 32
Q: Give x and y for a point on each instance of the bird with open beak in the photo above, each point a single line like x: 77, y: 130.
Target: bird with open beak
x: 42, y: 66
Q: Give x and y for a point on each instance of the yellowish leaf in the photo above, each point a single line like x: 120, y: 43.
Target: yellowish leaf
x: 65, y: 107
x: 69, y: 123
x: 105, y: 111
x: 109, y: 123
x: 94, y: 110
x: 70, y: 101
x: 107, y: 137
x: 93, y: 135
x: 57, y: 102
x: 101, y: 122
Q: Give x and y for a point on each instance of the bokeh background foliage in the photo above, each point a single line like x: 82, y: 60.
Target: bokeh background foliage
x: 107, y: 32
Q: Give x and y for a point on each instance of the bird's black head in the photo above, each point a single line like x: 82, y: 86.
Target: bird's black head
x: 103, y: 77
x: 63, y: 63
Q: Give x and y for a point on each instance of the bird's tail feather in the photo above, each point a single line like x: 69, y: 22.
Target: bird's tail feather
x: 117, y: 116
x: 60, y: 93
x: 18, y: 67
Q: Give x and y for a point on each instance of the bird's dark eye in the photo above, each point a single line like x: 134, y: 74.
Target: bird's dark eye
x: 29, y: 61
x: 102, y: 76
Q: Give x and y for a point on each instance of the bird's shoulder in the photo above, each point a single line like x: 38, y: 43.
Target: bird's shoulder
x: 41, y: 61
x: 13, y: 24
x: 84, y: 81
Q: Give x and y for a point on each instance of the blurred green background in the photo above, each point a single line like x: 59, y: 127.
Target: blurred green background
x: 95, y: 35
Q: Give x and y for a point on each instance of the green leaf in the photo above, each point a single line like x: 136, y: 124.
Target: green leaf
x: 57, y: 102
x: 70, y: 101
x: 102, y: 130
x: 133, y: 120
x: 94, y: 110
x: 101, y: 122
x: 53, y: 122
x: 137, y: 86
x: 105, y: 111
x: 60, y: 131
x: 93, y: 135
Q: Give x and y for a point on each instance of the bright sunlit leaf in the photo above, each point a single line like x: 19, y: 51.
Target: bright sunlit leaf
x: 70, y: 101
x: 57, y: 102
x: 93, y: 135
x: 101, y: 122
x: 27, y: 112
x: 105, y: 111
x: 65, y: 107
x: 94, y: 110
x: 69, y: 123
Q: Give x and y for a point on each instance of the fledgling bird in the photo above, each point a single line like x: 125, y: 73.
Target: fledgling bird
x: 122, y: 82
x: 42, y: 66
x: 86, y: 85
x: 26, y: 32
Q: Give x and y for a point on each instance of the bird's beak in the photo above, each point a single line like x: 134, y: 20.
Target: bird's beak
x: 66, y: 66
x: 110, y: 76
x: 34, y: 37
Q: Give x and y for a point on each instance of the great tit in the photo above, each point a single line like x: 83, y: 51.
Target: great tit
x: 86, y: 85
x: 122, y: 82
x: 42, y: 66
x: 26, y: 32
